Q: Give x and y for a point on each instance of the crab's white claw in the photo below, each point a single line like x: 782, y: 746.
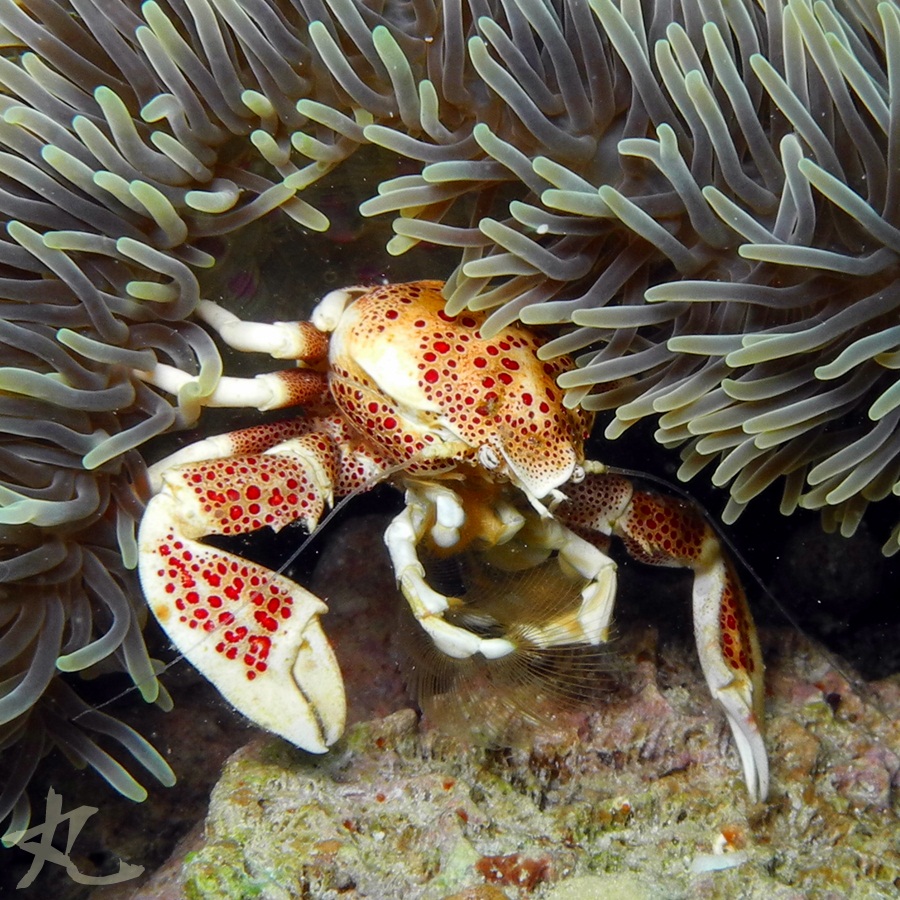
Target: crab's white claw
x: 427, y: 604
x: 254, y: 634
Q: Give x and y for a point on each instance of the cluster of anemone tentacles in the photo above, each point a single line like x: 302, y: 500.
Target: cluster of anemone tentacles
x: 701, y: 196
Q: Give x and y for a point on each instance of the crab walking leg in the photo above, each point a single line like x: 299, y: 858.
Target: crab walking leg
x: 300, y: 341
x: 280, y: 340
x: 270, y: 390
x: 253, y: 633
x: 667, y: 532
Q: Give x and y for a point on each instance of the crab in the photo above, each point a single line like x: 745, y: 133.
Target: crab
x: 474, y: 431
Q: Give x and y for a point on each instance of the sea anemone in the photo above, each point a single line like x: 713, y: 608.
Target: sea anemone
x: 708, y: 193
x: 700, y: 196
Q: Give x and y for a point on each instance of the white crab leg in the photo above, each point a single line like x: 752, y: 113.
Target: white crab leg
x: 269, y: 390
x: 590, y: 623
x: 280, y: 340
x: 300, y: 341
x: 739, y: 696
x: 428, y: 605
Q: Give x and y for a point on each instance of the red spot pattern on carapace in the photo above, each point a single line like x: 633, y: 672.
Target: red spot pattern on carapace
x: 490, y: 391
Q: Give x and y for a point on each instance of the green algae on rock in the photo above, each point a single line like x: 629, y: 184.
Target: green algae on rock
x: 403, y: 811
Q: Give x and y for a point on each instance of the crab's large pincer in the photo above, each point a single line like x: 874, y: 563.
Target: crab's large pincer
x: 251, y: 632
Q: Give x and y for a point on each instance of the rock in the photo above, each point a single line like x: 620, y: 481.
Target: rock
x: 642, y: 796
x: 639, y: 793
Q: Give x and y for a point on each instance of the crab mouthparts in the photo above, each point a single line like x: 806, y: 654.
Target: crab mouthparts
x: 543, y: 493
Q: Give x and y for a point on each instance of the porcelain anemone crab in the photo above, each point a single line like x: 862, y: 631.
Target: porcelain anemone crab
x: 474, y: 431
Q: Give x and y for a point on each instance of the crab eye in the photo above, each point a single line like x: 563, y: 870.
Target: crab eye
x: 577, y: 475
x: 487, y: 457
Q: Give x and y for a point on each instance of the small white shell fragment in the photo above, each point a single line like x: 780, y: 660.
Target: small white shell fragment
x: 716, y: 862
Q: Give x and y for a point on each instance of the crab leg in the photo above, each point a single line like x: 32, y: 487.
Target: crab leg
x: 444, y: 515
x: 252, y: 632
x: 281, y: 340
x: 668, y: 532
x: 437, y: 509
x: 589, y: 624
x: 270, y: 390
x: 300, y: 341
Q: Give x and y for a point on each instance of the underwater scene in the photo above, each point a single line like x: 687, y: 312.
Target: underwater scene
x: 449, y: 449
